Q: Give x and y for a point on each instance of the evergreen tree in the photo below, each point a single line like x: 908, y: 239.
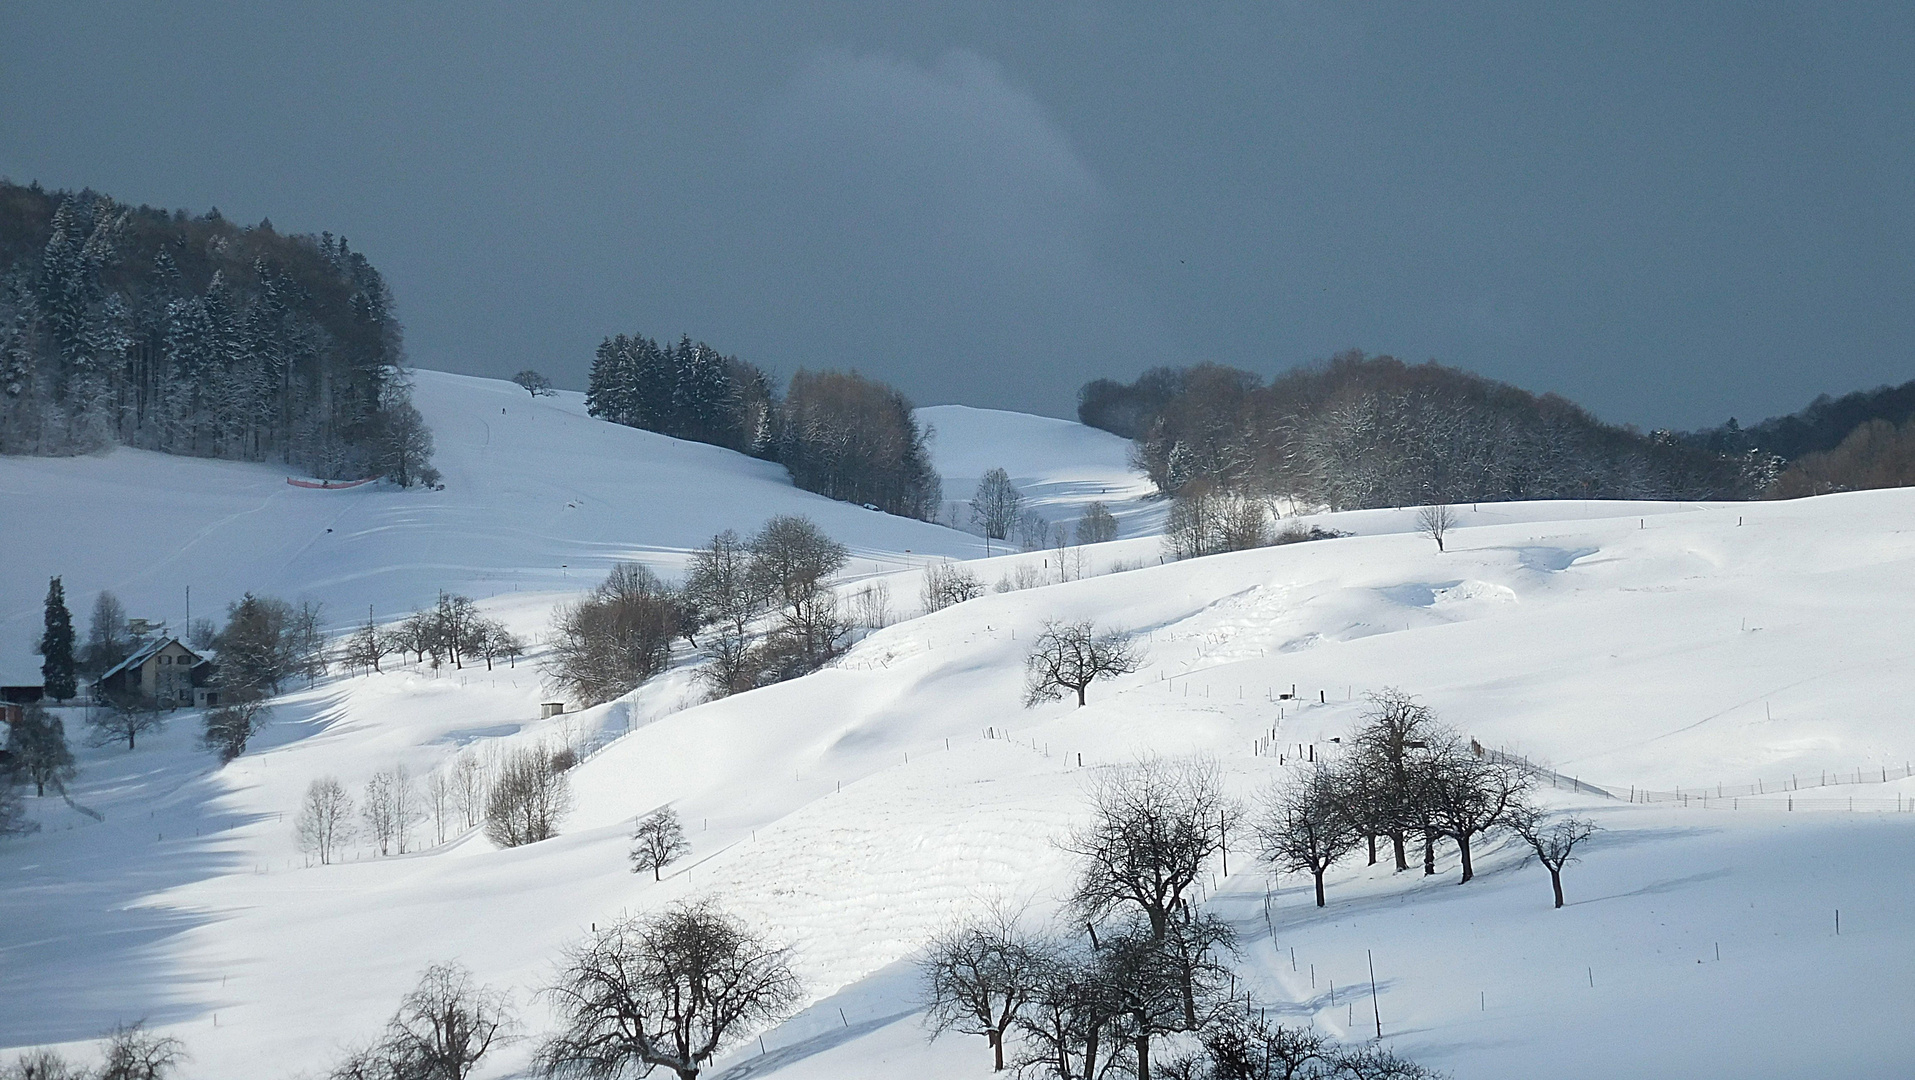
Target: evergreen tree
x: 56, y: 646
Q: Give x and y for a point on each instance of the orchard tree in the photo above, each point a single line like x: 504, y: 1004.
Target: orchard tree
x: 1304, y: 826
x: 1553, y: 841
x: 1468, y: 795
x: 446, y: 1025
x: 978, y: 976
x: 533, y: 383
x: 670, y: 989
x: 657, y: 842
x: 1155, y: 826
x: 1070, y: 656
x: 125, y: 716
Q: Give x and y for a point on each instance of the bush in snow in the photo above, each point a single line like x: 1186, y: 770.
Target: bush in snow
x: 228, y: 727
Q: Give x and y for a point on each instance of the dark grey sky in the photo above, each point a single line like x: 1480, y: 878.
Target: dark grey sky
x: 1669, y: 212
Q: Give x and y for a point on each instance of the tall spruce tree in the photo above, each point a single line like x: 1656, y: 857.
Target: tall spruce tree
x: 56, y: 646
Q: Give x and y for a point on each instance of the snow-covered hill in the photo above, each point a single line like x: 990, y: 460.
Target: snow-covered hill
x: 538, y: 497
x: 1058, y: 466
x: 854, y: 811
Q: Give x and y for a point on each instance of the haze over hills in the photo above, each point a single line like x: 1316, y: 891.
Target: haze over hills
x: 856, y: 811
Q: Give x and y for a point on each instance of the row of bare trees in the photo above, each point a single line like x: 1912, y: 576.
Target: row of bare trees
x: 519, y: 796
x: 1140, y: 960
x: 764, y: 604
x: 1405, y: 779
x: 668, y: 990
x: 759, y: 608
x: 450, y: 632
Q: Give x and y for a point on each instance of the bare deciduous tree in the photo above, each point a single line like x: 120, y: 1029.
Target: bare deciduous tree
x: 1553, y: 840
x: 406, y: 809
x: 324, y: 823
x: 1468, y: 795
x: 468, y: 788
x: 1304, y: 826
x: 528, y: 796
x: 1436, y: 521
x: 791, y: 557
x: 1155, y: 825
x: 657, y: 842
x: 376, y: 807
x: 1097, y: 526
x: 871, y: 605
x: 615, y: 638
x: 1074, y: 1027
x: 1070, y: 656
x: 947, y: 583
x: 446, y: 1025
x: 126, y: 716
x: 134, y: 1053
x: 670, y: 989
x: 995, y: 504
x: 979, y: 976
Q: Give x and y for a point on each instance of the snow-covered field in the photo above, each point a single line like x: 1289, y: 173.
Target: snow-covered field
x: 855, y: 811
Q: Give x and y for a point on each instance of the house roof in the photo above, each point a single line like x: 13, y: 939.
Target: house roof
x: 145, y: 652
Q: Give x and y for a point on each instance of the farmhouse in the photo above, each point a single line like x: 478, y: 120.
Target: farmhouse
x: 165, y: 671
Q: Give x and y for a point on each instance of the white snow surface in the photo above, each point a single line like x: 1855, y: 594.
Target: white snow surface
x: 1060, y: 467
x: 855, y: 811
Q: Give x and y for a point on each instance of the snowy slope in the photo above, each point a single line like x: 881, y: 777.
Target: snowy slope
x: 538, y: 496
x: 1060, y: 467
x: 854, y: 811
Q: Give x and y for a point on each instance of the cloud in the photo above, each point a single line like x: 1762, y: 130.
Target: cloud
x: 935, y: 221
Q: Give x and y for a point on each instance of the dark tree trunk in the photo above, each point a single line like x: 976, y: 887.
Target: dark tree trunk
x: 1429, y: 852
x: 1372, y: 850
x: 1318, y: 874
x: 1556, y: 882
x: 1462, y: 846
x: 1402, y: 855
x: 997, y: 1051
x: 1080, y: 695
x: 1143, y: 1057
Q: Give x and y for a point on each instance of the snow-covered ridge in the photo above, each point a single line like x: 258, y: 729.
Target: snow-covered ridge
x: 854, y: 811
